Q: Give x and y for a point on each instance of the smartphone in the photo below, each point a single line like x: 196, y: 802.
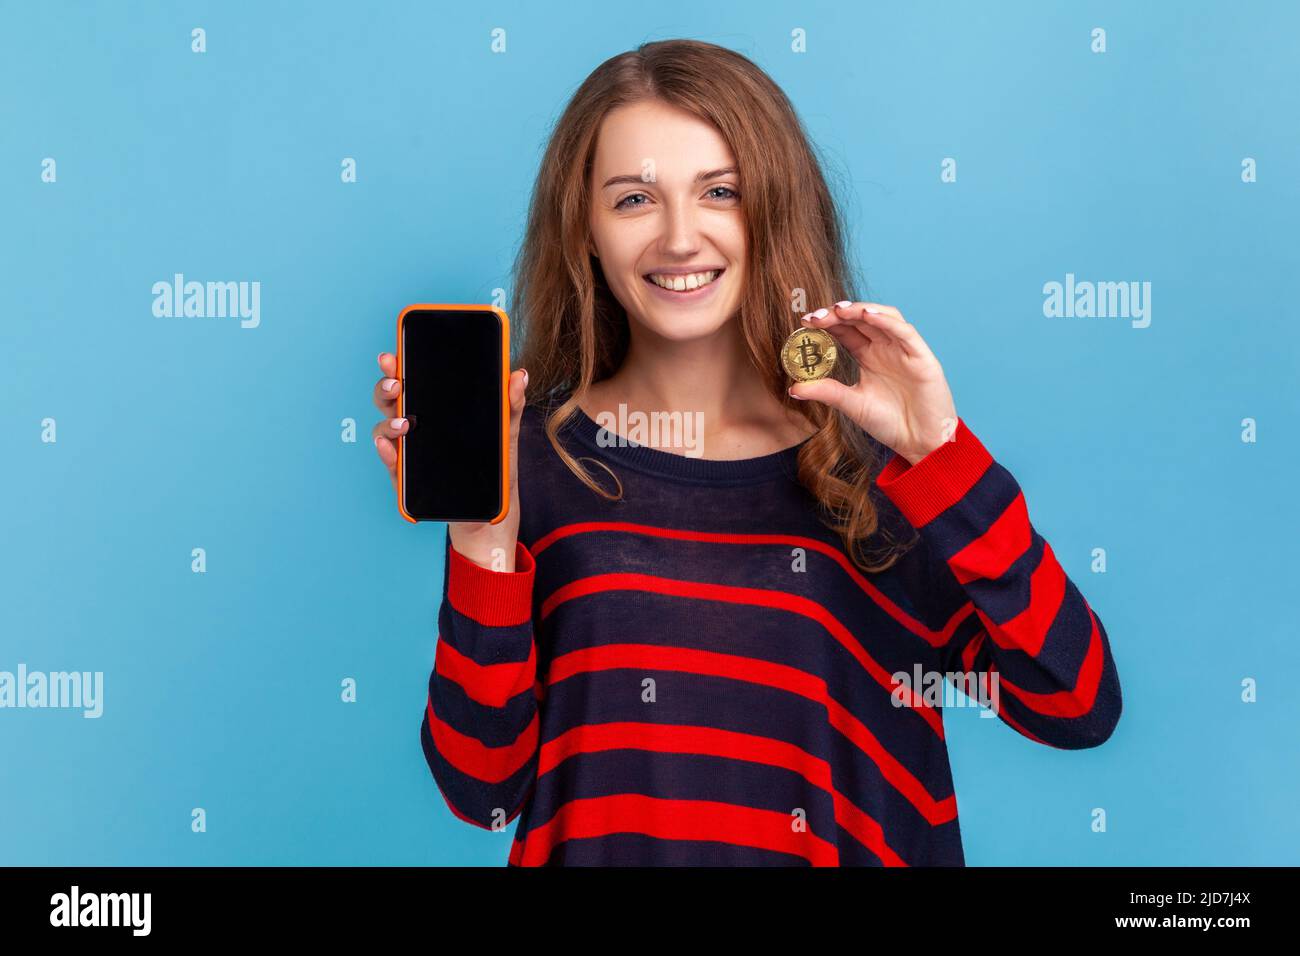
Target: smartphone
x: 454, y: 365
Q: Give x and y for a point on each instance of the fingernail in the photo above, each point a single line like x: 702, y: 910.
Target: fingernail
x: 843, y: 304
x: 376, y: 441
x: 525, y: 378
x: 793, y: 395
x: 806, y: 319
x: 390, y: 384
x: 876, y: 311
x: 822, y: 313
x: 398, y: 422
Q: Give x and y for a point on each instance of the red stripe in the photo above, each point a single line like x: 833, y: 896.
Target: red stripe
x: 938, y: 481
x: 455, y: 810
x: 1076, y: 701
x: 675, y: 820
x: 968, y: 663
x: 1019, y: 727
x: 473, y: 758
x: 934, y: 638
x: 778, y: 676
x: 491, y: 685
x: 758, y: 597
x: 678, y: 738
x: 492, y: 598
x: 865, y: 830
x: 1028, y: 630
x: 936, y: 812
x: 989, y: 555
x: 686, y: 739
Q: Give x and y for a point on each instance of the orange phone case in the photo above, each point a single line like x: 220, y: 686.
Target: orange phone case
x: 505, y: 401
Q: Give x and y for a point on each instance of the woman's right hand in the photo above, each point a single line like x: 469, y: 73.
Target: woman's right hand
x: 490, y: 545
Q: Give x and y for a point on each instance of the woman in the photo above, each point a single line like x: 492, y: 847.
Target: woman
x: 673, y: 658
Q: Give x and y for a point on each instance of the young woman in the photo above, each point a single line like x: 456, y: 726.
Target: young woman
x: 672, y: 657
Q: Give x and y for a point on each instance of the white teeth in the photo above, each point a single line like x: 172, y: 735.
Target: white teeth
x: 684, y: 283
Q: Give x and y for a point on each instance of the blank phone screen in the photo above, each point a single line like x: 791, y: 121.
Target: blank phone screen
x: 451, y: 374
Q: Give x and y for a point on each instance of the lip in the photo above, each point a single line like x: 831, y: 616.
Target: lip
x: 695, y: 295
x: 684, y: 270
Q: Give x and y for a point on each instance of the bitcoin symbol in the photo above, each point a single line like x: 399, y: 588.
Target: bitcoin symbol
x: 808, y: 354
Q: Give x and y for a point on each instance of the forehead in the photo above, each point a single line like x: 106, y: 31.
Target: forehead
x: 679, y: 143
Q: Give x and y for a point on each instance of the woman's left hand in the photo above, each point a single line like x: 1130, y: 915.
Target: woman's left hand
x: 901, y: 397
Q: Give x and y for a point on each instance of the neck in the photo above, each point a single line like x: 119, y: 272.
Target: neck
x: 712, y: 376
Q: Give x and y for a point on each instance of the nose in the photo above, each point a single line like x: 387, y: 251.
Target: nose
x: 681, y: 229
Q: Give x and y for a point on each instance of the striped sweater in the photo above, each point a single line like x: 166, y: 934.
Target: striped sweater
x: 698, y: 675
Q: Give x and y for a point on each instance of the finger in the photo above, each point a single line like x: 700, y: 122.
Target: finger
x: 837, y: 319
x: 879, y: 308
x: 388, y: 364
x: 518, y: 392
x: 842, y: 313
x: 853, y: 338
x: 884, y: 320
x: 828, y: 391
x: 391, y: 427
x: 386, y: 448
x: 386, y: 392
x: 903, y: 332
x: 869, y: 317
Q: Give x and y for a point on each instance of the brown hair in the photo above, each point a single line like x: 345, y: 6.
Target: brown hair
x: 576, y: 331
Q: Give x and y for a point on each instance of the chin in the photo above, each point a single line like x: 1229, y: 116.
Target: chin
x: 685, y: 327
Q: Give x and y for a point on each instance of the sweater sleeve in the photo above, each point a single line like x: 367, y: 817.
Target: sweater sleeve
x: 480, y: 726
x: 1026, y: 622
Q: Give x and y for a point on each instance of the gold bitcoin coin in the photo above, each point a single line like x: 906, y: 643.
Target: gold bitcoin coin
x: 808, y: 354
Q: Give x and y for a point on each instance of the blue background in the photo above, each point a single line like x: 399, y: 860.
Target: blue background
x: 222, y: 689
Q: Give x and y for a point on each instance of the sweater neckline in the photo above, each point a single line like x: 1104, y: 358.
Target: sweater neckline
x: 655, y: 461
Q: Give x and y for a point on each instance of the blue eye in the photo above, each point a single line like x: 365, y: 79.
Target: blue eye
x: 625, y: 202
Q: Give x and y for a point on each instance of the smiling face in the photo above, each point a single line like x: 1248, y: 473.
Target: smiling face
x: 672, y: 249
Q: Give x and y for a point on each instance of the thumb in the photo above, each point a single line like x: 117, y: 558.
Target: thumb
x: 828, y: 391
x: 517, y: 390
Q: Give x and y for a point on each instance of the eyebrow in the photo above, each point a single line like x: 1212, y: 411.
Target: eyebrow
x: 700, y: 177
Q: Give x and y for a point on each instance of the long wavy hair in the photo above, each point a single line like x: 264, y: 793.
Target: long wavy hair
x: 575, y: 332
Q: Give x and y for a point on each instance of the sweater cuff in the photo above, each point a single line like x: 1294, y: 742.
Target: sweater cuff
x: 492, y: 598
x: 925, y: 490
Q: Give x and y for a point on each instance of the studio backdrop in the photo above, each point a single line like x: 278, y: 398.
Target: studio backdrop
x: 1088, y: 209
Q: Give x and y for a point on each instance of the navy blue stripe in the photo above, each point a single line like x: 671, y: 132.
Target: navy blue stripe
x: 475, y: 798
x: 965, y: 521
x: 693, y: 700
x: 492, y: 726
